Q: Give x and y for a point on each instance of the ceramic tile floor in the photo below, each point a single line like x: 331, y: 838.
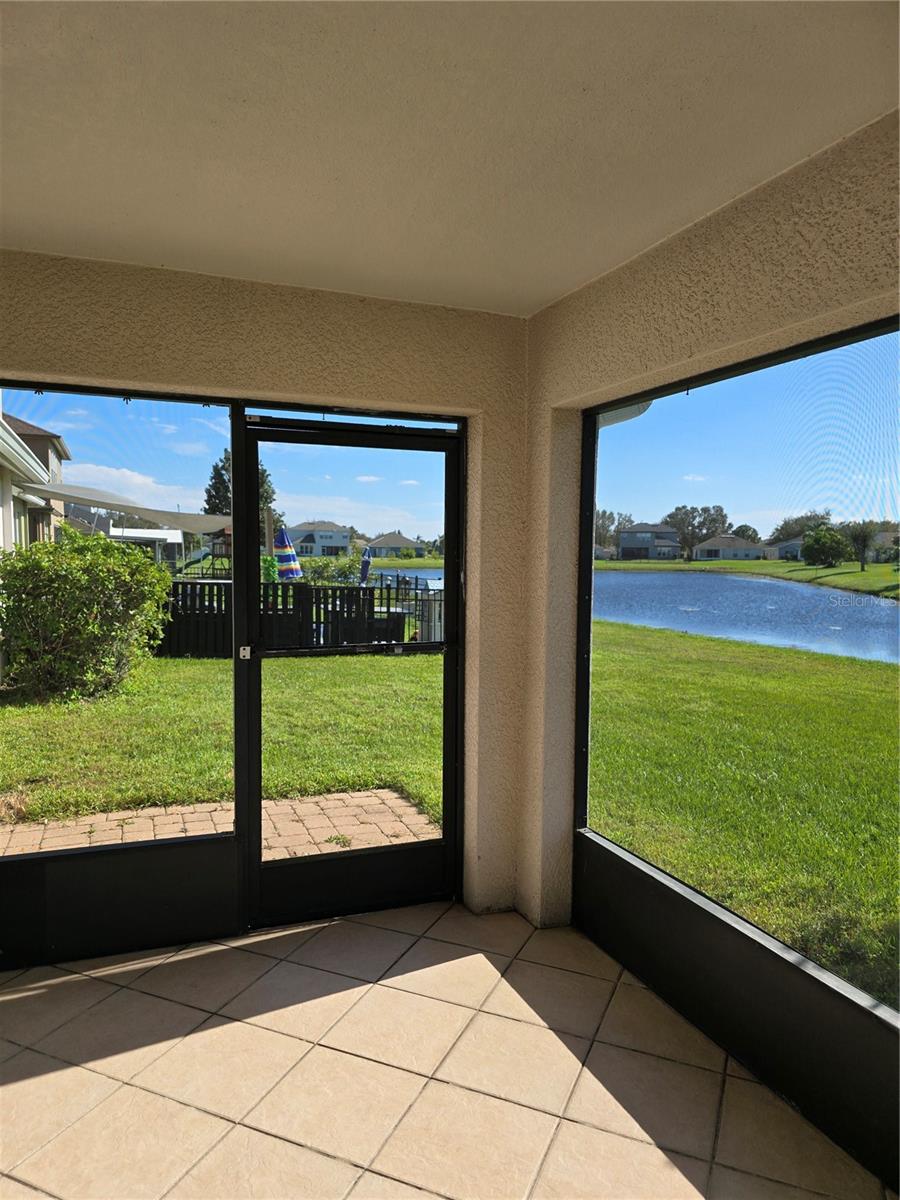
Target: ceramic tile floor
x: 398, y: 1055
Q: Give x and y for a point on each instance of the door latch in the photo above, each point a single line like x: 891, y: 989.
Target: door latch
x: 245, y: 652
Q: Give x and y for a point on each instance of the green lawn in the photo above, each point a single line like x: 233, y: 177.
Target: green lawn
x: 408, y: 565
x: 328, y: 725
x: 878, y: 579
x: 764, y: 777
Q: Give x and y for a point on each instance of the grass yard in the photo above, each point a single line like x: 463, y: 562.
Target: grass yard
x: 329, y: 725
x: 878, y: 579
x: 764, y: 777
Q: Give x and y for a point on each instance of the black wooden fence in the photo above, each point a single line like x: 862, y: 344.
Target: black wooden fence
x: 298, y: 615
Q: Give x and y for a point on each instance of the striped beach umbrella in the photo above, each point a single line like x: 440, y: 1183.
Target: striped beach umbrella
x: 365, y: 564
x: 286, y: 557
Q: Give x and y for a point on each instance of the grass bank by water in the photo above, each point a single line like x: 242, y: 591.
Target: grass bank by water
x: 878, y: 579
x: 764, y: 777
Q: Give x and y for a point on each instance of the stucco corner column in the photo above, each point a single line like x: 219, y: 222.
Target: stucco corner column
x: 546, y: 800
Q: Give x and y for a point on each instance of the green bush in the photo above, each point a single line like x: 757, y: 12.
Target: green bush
x: 75, y: 615
x: 825, y: 547
x: 340, y: 569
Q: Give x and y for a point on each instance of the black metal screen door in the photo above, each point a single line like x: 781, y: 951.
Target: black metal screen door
x: 348, y: 684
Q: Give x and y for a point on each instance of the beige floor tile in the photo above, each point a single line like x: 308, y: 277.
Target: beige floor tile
x: 132, y: 1145
x: 414, y: 919
x: 587, y: 1164
x: 456, y: 974
x: 121, y: 968
x: 11, y: 1189
x: 349, y: 948
x: 41, y: 1096
x: 726, y: 1184
x: 399, y: 1028
x: 738, y: 1069
x: 296, y: 1000
x: 276, y: 943
x: 205, y: 976
x: 8, y: 1049
x: 761, y: 1134
x: 561, y: 1000
x: 249, y: 1165
x: 224, y: 1066
x: 337, y: 1103
x: 122, y: 1034
x: 465, y: 1145
x: 378, y: 1187
x: 516, y: 1061
x: 43, y: 998
x: 570, y: 950
x: 639, y: 1020
x: 627, y: 977
x: 8, y: 976
x: 498, y: 933
x: 670, y: 1104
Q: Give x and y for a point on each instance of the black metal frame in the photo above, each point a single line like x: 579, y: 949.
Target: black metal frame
x: 826, y: 1046
x: 346, y: 881
x: 83, y: 902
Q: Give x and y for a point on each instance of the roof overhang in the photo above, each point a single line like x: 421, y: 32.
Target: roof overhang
x: 96, y: 498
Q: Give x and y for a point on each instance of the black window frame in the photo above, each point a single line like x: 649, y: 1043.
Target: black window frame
x: 826, y: 1046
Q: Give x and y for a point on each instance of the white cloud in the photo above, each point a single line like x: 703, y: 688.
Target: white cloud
x: 218, y: 425
x: 68, y: 426
x: 191, y: 449
x: 303, y: 506
x: 77, y: 412
x: 409, y: 483
x: 135, y: 486
x: 326, y: 476
x: 368, y: 479
x: 695, y: 478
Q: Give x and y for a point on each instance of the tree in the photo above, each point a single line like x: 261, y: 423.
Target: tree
x: 793, y: 527
x: 623, y: 521
x: 694, y: 525
x: 824, y: 546
x: 218, y: 493
x: 604, y: 523
x: 861, y: 536
x: 747, y: 532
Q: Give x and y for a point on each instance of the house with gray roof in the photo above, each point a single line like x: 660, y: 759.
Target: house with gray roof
x: 648, y: 541
x: 728, y: 546
x: 392, y: 545
x: 320, y: 539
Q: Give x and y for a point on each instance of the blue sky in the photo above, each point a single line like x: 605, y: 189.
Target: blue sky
x: 820, y: 432
x: 160, y: 453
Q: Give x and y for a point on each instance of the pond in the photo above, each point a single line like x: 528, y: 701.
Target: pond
x: 429, y: 577
x: 748, y: 608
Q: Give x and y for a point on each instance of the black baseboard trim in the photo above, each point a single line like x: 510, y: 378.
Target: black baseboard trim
x: 829, y: 1049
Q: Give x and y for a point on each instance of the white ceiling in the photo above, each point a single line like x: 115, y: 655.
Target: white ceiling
x: 491, y: 156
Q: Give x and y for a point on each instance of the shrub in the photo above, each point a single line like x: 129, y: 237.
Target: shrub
x: 77, y: 614
x: 339, y: 568
x: 824, y: 547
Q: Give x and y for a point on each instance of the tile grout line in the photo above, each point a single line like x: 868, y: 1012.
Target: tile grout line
x: 720, y: 1109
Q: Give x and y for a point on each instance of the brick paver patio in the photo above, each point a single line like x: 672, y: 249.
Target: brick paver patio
x: 291, y: 828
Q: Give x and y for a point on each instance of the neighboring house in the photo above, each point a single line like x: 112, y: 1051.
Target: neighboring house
x: 320, y: 539
x: 789, y: 549
x: 167, y: 545
x: 727, y: 545
x: 50, y: 449
x: 648, y: 541
x: 24, y: 518
x: 604, y: 552
x: 392, y: 545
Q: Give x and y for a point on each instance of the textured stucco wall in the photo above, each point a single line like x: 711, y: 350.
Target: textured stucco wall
x: 104, y: 324
x: 807, y: 254
x: 810, y: 253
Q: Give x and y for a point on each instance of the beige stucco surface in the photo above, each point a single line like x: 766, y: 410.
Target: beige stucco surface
x: 809, y: 253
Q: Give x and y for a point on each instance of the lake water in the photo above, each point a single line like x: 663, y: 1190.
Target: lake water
x: 772, y: 612
x: 434, y: 576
